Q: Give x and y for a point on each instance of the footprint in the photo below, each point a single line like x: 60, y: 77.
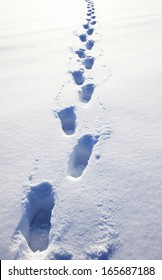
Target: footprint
x: 88, y: 19
x: 67, y: 117
x: 93, y: 17
x: 35, y: 223
x: 86, y: 26
x: 81, y: 53
x: 90, y: 44
x: 85, y: 94
x: 90, y: 31
x: 93, y: 22
x: 78, y: 77
x: 80, y: 156
x: 88, y: 14
x: 97, y: 157
x: 83, y: 37
x: 88, y: 62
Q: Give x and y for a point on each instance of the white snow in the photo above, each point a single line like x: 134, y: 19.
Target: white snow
x: 80, y: 123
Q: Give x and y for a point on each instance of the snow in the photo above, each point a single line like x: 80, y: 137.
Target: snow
x: 80, y: 129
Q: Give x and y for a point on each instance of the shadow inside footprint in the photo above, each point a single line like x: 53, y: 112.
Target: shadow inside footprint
x: 93, y: 22
x: 80, y: 53
x: 90, y: 31
x: 90, y: 44
x: 86, y: 93
x: 89, y: 62
x: 78, y: 77
x: 67, y: 117
x: 35, y: 223
x: 83, y: 37
x: 86, y: 26
x: 79, y: 158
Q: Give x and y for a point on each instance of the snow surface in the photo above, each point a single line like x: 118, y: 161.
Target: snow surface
x: 80, y: 122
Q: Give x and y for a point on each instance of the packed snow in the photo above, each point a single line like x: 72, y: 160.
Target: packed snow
x: 80, y: 121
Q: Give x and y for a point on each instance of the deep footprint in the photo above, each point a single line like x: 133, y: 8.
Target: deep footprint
x: 90, y: 44
x: 86, y: 26
x: 78, y: 77
x: 88, y: 62
x: 90, y: 31
x: 80, y: 53
x: 85, y: 94
x: 83, y: 37
x: 80, y: 156
x: 35, y: 224
x: 93, y: 22
x: 67, y: 117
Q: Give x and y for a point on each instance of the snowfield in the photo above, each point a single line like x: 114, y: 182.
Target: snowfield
x: 80, y: 122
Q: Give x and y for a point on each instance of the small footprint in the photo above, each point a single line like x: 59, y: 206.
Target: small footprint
x: 90, y: 44
x: 93, y: 17
x: 90, y: 31
x: 67, y: 117
x: 98, y: 157
x: 80, y: 156
x: 78, y: 77
x: 86, y: 93
x: 88, y: 62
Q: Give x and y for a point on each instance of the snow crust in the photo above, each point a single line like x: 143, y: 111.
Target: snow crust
x: 80, y: 122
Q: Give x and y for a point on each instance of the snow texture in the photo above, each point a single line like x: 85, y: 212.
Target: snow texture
x: 80, y: 129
